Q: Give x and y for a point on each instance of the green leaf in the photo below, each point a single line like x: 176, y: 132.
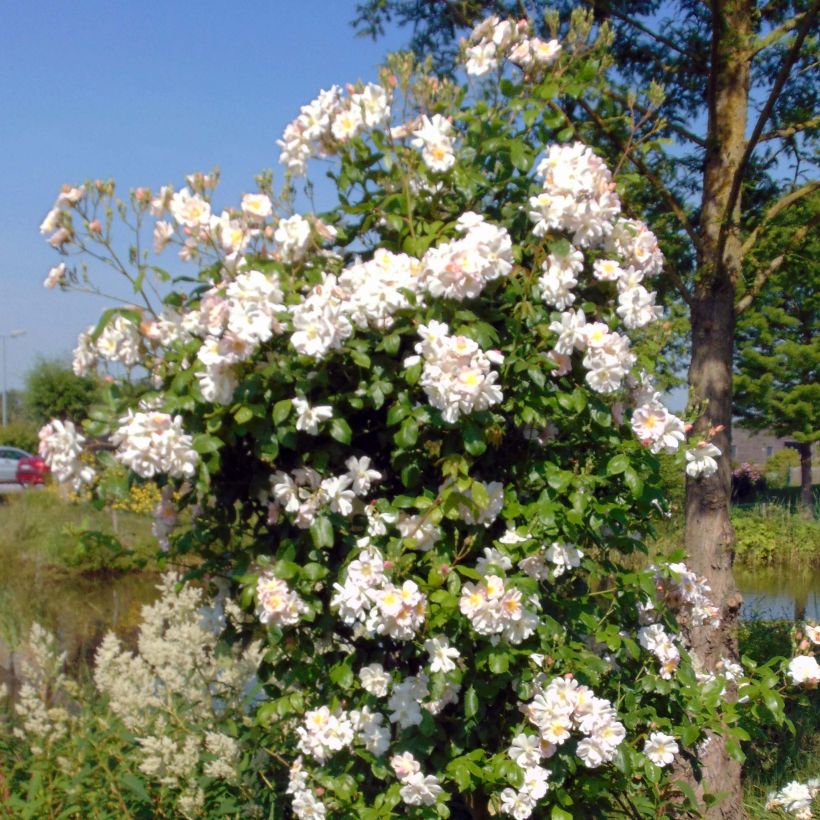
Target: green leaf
x: 734, y: 750
x: 470, y: 703
x: 134, y: 784
x: 314, y: 572
x: 203, y: 443
x: 391, y: 344
x: 652, y: 772
x: 499, y: 662
x: 361, y: 359
x: 474, y: 440
x: 281, y: 410
x: 412, y: 374
x: 340, y: 430
x: 342, y: 675
x: 243, y: 415
x: 321, y: 531
x: 286, y: 570
x: 617, y: 464
x: 480, y: 496
x: 634, y: 482
x: 396, y: 413
x: 408, y: 434
x: 559, y: 814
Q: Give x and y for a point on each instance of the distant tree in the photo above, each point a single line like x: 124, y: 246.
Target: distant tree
x: 778, y: 344
x: 52, y: 390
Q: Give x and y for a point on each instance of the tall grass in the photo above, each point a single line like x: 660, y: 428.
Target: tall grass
x: 767, y: 534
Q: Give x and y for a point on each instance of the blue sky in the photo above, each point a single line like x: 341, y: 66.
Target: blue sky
x: 145, y: 92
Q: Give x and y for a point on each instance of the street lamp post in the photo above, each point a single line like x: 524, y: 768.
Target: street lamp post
x: 12, y: 335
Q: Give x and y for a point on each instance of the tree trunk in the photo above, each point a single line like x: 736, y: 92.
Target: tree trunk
x: 806, y: 496
x: 709, y: 536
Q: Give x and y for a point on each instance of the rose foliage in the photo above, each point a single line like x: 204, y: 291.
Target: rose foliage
x: 417, y: 434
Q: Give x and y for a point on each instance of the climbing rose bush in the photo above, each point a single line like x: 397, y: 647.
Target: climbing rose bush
x: 418, y: 436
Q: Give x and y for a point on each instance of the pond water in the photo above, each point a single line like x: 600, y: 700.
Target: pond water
x: 780, y: 593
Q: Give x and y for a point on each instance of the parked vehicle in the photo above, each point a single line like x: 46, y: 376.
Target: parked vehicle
x: 9, y: 459
x: 32, y: 470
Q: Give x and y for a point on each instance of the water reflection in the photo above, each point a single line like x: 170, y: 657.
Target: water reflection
x: 790, y: 593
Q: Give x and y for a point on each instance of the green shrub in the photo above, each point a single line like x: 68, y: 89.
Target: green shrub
x: 772, y: 534
x: 22, y: 434
x: 776, y: 469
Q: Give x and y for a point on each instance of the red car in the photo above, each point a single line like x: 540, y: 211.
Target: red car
x: 31, y: 470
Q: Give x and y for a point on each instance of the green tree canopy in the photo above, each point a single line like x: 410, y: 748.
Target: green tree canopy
x: 778, y: 346
x: 52, y: 390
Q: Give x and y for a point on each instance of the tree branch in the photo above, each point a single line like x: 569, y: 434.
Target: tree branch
x: 763, y: 276
x: 674, y: 206
x: 631, y: 21
x: 775, y: 34
x: 783, y: 75
x: 775, y: 209
x: 790, y: 130
x: 678, y: 129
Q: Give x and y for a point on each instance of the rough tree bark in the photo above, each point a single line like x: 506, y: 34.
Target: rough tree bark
x: 806, y: 496
x: 709, y: 535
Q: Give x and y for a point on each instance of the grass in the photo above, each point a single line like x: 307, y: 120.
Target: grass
x: 39, y: 527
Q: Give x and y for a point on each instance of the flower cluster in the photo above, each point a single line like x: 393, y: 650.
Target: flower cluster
x: 660, y: 748
x: 277, y: 603
x: 657, y: 428
x: 564, y: 706
x: 417, y: 789
x: 494, y: 40
x: 456, y: 375
x: 795, y: 798
x: 170, y: 693
x: 433, y: 138
x: 578, y: 195
x: 365, y: 294
x: 656, y: 640
x: 679, y: 587
x: 44, y: 694
x: 527, y: 752
x: 804, y: 670
x: 323, y: 732
x: 60, y: 446
x: 120, y: 342
x: 701, y: 460
x: 304, y: 492
x: 329, y: 120
x: 234, y: 323
x: 305, y: 804
x: 494, y: 608
x: 562, y: 556
x: 151, y: 442
x: 55, y: 276
x: 58, y: 221
x: 372, y: 605
x: 461, y: 269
